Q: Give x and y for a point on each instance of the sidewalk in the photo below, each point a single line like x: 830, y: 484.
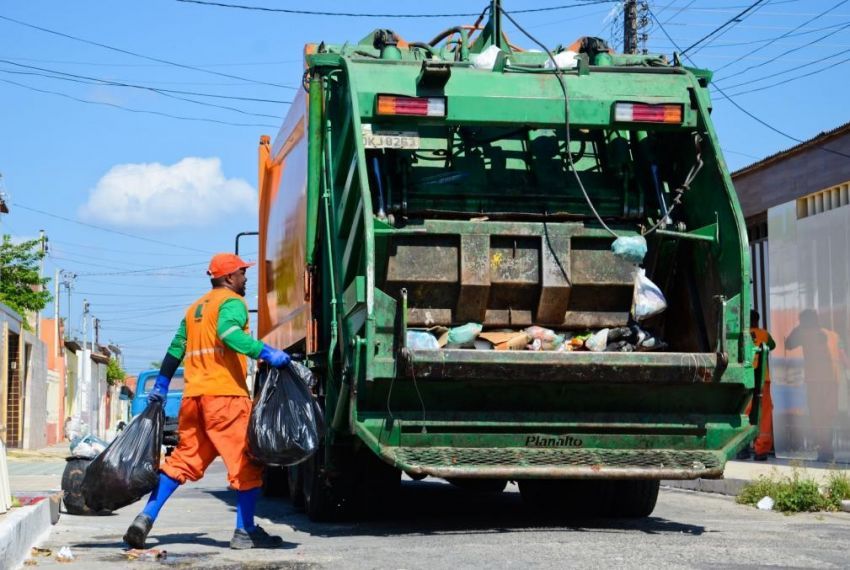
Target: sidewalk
x: 740, y: 472
x: 32, y: 474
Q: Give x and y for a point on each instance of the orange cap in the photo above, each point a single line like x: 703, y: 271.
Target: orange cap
x: 223, y: 264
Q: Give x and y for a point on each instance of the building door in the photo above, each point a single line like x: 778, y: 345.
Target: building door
x: 14, y: 410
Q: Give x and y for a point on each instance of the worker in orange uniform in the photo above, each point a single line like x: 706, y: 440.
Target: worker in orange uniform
x: 213, y: 341
x: 764, y: 441
x: 824, y: 365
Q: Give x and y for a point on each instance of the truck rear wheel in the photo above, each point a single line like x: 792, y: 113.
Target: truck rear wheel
x: 377, y: 484
x: 320, y: 502
x: 483, y: 486
x: 569, y: 497
x: 634, y: 499
x: 295, y: 482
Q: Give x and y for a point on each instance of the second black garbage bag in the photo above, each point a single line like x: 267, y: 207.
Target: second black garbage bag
x: 286, y: 422
x: 128, y: 468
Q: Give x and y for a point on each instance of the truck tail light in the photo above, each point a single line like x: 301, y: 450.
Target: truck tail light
x: 646, y: 113
x: 412, y: 106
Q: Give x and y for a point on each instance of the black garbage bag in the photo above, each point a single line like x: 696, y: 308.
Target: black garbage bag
x: 128, y: 468
x: 286, y: 422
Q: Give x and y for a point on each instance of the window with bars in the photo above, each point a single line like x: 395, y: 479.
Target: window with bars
x: 823, y: 201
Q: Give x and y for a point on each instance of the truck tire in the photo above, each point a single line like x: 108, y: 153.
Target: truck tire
x: 540, y: 493
x: 72, y: 487
x: 569, y: 497
x: 295, y: 483
x: 319, y: 501
x: 634, y: 499
x: 275, y: 482
x: 480, y: 486
x: 376, y: 485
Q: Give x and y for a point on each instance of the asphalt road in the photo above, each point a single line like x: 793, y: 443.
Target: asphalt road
x: 437, y: 526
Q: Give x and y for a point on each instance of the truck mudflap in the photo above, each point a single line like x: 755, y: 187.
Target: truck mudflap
x: 619, y: 367
x: 531, y: 463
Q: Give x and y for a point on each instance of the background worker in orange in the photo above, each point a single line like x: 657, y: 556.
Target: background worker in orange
x: 764, y: 441
x: 213, y: 341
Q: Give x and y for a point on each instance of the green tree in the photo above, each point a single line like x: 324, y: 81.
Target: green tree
x: 114, y: 372
x: 21, y: 285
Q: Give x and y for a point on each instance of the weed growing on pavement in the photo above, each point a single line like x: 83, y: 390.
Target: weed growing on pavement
x: 838, y: 487
x: 796, y: 493
x: 764, y: 486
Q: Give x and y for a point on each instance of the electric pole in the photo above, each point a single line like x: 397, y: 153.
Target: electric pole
x: 85, y: 320
x: 630, y: 26
x: 96, y: 332
x: 43, y: 239
x: 56, y: 313
x: 68, y: 283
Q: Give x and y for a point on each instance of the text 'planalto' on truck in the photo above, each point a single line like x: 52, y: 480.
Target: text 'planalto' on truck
x: 417, y: 187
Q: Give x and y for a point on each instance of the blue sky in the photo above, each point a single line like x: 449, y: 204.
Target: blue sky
x: 191, y: 184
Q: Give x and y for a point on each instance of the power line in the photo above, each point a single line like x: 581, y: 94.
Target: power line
x: 149, y: 58
x: 733, y: 20
x: 111, y: 250
x: 764, y: 40
x: 830, y: 67
x: 133, y: 295
x: 738, y: 106
x: 101, y: 228
x: 105, y: 64
x: 163, y: 92
x: 782, y: 36
x: 133, y: 110
x: 373, y: 15
x: 137, y: 271
x: 783, y: 54
x: 790, y: 70
x: 145, y: 87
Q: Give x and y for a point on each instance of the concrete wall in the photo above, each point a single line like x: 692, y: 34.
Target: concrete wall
x: 35, y: 398
x: 787, y: 179
x: 51, y: 336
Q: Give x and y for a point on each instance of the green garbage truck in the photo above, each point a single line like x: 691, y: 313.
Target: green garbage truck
x: 436, y: 228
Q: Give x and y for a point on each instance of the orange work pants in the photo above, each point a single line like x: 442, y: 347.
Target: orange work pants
x: 212, y: 426
x: 763, y: 443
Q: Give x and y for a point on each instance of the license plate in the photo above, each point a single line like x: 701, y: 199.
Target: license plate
x: 372, y: 138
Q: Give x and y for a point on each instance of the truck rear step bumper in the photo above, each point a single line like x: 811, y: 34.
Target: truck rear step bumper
x: 532, y: 463
x: 596, y: 367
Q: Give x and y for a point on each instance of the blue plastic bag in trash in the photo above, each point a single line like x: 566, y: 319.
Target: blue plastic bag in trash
x: 630, y: 248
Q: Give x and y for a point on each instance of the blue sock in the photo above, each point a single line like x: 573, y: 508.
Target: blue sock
x: 164, y: 488
x: 246, y: 501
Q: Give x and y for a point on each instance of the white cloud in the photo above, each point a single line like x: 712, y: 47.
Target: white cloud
x: 192, y: 192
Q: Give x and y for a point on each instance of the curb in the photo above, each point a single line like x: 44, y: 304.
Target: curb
x: 20, y: 529
x: 728, y: 487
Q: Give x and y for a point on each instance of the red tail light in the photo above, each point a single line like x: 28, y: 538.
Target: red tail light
x: 412, y: 106
x: 670, y: 113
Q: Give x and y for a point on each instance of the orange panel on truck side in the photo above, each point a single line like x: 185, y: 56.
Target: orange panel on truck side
x: 283, y: 309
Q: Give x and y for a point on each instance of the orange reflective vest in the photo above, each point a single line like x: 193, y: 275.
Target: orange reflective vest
x: 760, y: 337
x: 210, y: 368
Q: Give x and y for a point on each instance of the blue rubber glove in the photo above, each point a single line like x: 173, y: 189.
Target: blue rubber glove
x: 275, y: 357
x: 160, y: 389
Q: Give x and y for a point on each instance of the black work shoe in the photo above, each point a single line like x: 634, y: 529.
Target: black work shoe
x: 257, y: 538
x: 760, y: 457
x: 138, y: 531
